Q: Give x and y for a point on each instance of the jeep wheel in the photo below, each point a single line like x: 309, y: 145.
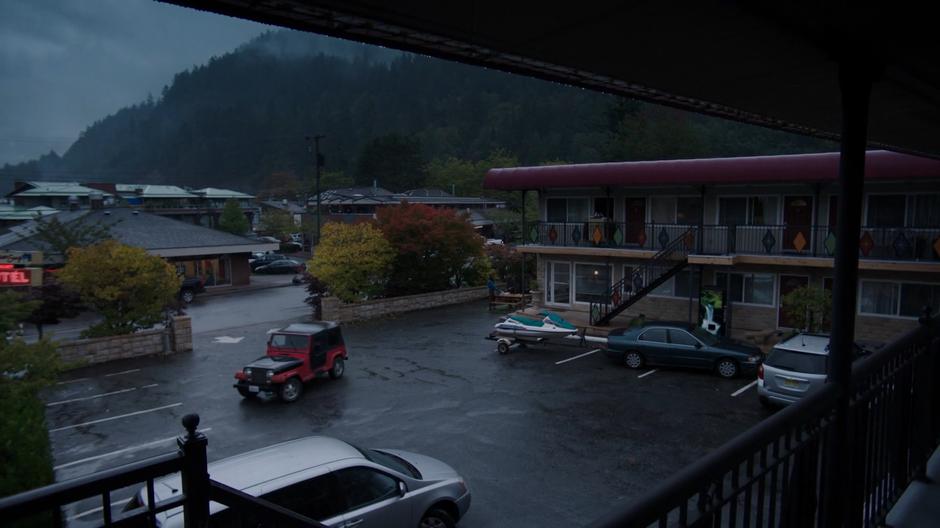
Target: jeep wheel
x: 339, y: 367
x: 187, y: 296
x: 291, y: 390
x: 246, y: 393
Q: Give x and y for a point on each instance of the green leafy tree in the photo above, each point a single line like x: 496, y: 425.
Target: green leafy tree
x: 394, y: 161
x: 14, y: 309
x: 60, y: 237
x: 435, y: 248
x: 465, y: 177
x: 24, y: 440
x: 232, y: 219
x: 809, y: 307
x: 353, y: 260
x: 277, y: 223
x: 124, y: 284
x: 56, y: 302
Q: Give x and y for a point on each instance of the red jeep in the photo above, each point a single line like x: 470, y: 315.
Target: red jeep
x: 296, y: 354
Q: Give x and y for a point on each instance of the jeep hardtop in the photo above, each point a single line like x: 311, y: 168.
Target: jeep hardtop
x: 296, y: 354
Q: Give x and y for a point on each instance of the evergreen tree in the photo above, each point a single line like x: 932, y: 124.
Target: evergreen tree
x: 233, y: 220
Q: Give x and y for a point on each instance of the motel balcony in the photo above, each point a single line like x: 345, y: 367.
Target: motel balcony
x: 875, y: 242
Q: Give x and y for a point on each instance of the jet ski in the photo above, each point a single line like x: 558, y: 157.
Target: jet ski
x: 521, y: 326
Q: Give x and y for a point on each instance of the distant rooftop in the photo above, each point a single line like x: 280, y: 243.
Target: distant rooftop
x: 212, y: 192
x: 153, y: 191
x: 49, y: 188
x: 380, y: 196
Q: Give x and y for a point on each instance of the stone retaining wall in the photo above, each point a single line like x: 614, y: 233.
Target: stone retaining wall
x: 336, y: 310
x: 147, y: 343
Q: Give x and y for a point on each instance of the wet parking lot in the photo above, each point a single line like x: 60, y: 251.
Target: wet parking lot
x: 545, y: 436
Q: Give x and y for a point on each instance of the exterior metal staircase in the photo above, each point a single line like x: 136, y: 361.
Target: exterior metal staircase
x: 644, y: 279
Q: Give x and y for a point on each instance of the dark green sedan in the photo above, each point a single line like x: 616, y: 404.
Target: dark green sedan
x: 680, y: 345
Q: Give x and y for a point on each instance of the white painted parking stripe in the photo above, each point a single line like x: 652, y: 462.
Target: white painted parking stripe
x: 62, y: 402
x: 744, y: 388
x: 116, y: 417
x: 122, y: 372
x: 645, y: 374
x: 151, y: 385
x: 76, y: 380
x: 578, y: 356
x: 98, y: 509
x: 121, y: 451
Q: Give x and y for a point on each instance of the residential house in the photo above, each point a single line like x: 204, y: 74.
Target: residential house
x: 615, y: 240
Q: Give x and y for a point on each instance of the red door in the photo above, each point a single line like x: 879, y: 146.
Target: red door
x: 798, y: 217
x: 788, y: 283
x: 636, y: 221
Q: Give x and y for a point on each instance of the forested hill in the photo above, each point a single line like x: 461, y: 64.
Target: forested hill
x: 244, y: 116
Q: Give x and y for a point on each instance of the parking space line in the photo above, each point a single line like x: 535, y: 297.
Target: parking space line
x: 744, y: 388
x: 151, y: 385
x: 121, y: 451
x: 62, y: 402
x: 76, y: 380
x: 578, y: 356
x: 177, y: 404
x: 98, y: 509
x: 122, y: 372
x: 645, y: 374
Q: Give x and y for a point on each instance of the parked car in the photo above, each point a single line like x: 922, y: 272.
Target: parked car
x: 333, y: 482
x: 794, y: 368
x: 282, y: 266
x: 190, y: 287
x: 679, y: 345
x: 295, y: 355
x: 291, y: 246
x: 266, y: 259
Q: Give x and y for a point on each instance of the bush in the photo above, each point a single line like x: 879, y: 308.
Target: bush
x: 353, y: 260
x: 25, y: 456
x: 809, y: 307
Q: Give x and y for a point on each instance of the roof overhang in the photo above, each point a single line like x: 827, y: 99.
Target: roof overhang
x: 773, y: 64
x: 213, y: 250
x: 799, y: 168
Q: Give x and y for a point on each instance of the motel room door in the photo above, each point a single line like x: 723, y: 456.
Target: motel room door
x: 636, y: 221
x: 788, y: 283
x: 798, y: 217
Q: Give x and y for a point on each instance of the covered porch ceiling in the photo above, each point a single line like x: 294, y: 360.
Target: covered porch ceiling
x: 772, y: 64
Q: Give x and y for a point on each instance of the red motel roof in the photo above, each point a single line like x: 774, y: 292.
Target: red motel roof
x: 879, y: 165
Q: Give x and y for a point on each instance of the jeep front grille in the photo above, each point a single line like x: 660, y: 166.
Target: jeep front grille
x: 259, y: 376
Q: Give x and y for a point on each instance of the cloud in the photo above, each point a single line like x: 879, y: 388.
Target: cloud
x: 66, y: 63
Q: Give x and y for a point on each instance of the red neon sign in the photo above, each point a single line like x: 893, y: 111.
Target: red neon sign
x: 14, y: 277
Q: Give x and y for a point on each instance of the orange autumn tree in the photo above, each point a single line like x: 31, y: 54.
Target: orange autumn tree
x: 436, y: 249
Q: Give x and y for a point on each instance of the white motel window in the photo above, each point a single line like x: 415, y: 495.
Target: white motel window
x: 559, y: 282
x: 591, y: 282
x: 750, y: 288
x: 897, y: 299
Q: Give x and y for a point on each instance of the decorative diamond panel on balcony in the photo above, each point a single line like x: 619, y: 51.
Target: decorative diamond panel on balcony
x: 552, y: 234
x: 830, y: 244
x: 597, y: 235
x: 866, y: 243
x: 615, y: 298
x: 769, y: 241
x: 663, y: 237
x: 688, y: 240
x: 902, y: 246
x: 576, y: 234
x: 618, y: 236
x: 534, y: 234
x: 641, y: 238
x: 799, y: 241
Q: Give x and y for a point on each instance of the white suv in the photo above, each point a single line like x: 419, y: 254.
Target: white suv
x: 794, y: 368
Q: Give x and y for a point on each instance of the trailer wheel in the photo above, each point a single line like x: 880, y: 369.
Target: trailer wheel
x: 502, y: 347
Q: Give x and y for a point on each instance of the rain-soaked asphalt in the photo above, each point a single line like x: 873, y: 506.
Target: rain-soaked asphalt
x: 541, y: 444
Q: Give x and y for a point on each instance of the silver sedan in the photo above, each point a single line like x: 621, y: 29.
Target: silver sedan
x: 333, y: 482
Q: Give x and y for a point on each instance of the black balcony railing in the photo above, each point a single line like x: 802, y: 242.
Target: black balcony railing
x: 44, y: 506
x: 890, y: 243
x: 772, y: 474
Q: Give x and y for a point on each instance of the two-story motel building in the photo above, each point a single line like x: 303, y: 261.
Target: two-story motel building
x: 756, y: 227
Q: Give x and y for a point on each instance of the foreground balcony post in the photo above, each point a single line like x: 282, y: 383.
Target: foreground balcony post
x: 194, y: 474
x: 855, y: 84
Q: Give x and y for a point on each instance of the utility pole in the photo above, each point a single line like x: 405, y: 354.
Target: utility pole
x: 318, y: 161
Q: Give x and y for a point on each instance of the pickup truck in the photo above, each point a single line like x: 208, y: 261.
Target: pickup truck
x: 189, y: 289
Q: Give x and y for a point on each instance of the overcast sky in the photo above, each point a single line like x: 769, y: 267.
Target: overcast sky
x: 67, y: 63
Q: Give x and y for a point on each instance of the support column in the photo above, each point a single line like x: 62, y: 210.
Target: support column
x: 855, y: 83
x: 523, y: 282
